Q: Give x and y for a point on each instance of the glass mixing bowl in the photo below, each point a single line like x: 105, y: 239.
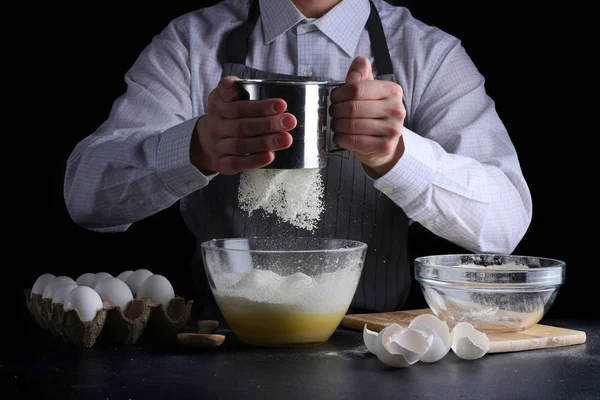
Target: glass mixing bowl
x: 494, y: 293
x: 279, y: 291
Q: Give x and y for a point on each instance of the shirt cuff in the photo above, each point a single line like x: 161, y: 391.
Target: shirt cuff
x: 173, y: 163
x: 412, y: 174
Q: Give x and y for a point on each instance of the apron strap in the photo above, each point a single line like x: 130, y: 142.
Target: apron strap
x: 237, y: 42
x: 381, y: 53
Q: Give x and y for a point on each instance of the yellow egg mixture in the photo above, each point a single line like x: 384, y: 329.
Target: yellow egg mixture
x: 266, y: 324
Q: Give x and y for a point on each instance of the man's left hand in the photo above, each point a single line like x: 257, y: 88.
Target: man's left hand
x: 367, y: 118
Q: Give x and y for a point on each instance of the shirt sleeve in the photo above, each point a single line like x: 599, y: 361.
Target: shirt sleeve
x: 460, y: 175
x: 137, y: 162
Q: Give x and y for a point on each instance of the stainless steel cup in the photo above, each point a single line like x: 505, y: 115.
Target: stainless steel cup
x: 309, y: 102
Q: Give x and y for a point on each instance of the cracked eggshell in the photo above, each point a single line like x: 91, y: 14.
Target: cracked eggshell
x: 401, y: 347
x: 370, y: 339
x: 468, y: 343
x: 430, y: 325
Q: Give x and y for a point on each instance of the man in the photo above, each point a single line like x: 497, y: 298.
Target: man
x: 425, y: 140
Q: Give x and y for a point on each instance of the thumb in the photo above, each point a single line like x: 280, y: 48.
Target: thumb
x: 359, y: 70
x: 227, y: 88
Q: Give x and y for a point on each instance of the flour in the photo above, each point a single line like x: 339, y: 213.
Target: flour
x: 263, y: 291
x: 493, y: 267
x: 347, y: 354
x: 295, y: 196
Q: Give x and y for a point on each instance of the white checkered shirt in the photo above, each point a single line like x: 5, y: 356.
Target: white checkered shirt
x: 459, y: 176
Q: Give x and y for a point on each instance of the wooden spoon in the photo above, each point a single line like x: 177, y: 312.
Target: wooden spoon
x: 207, y: 326
x: 201, y: 340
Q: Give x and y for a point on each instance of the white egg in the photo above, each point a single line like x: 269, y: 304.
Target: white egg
x: 54, y: 284
x: 85, y: 301
x: 88, y: 279
x: 135, y: 280
x: 40, y: 283
x: 430, y: 325
x: 158, y: 289
x: 370, y: 339
x: 61, y: 293
x: 115, y: 291
x: 401, y: 347
x: 102, y: 275
x: 124, y: 275
x: 468, y: 343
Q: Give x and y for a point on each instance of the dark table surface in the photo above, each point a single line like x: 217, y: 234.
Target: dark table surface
x: 338, y: 369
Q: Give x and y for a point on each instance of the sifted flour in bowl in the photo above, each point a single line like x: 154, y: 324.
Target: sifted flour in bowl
x: 265, y: 308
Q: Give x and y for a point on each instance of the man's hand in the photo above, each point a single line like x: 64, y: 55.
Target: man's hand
x: 367, y: 117
x: 238, y: 135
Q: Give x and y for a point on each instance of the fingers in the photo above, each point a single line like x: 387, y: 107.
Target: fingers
x: 230, y: 165
x: 366, y: 127
x: 249, y: 127
x: 249, y: 108
x: 364, y: 109
x: 227, y: 89
x: 235, y: 155
x: 366, y: 90
x: 359, y: 70
x: 379, y: 146
x: 243, y: 146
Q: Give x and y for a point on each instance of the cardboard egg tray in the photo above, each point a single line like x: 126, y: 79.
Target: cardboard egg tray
x: 142, y: 317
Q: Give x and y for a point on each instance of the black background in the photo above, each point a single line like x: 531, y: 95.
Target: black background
x: 69, y: 67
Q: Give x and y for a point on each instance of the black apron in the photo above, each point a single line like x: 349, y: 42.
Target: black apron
x: 354, y: 209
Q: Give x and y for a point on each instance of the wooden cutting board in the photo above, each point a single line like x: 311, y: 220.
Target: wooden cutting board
x: 537, y: 337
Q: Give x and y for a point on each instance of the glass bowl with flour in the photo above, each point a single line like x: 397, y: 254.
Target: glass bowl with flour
x: 276, y: 291
x: 493, y: 292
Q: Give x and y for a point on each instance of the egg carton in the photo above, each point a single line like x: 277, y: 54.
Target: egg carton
x: 142, y: 317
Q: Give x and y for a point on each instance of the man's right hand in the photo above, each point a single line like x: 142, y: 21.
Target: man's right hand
x: 239, y: 135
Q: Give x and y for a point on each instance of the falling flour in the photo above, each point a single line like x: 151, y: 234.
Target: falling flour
x: 295, y: 196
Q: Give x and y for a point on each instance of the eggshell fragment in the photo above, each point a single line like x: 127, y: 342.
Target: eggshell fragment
x: 468, y: 343
x: 430, y: 325
x: 370, y: 339
x: 401, y: 347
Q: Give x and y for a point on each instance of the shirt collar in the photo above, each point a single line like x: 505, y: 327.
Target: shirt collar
x: 343, y: 24
x: 278, y: 16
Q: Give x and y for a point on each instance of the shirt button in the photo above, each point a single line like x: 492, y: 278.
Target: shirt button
x: 148, y: 207
x: 387, y: 189
x: 194, y: 185
x: 429, y: 222
x: 307, y: 72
